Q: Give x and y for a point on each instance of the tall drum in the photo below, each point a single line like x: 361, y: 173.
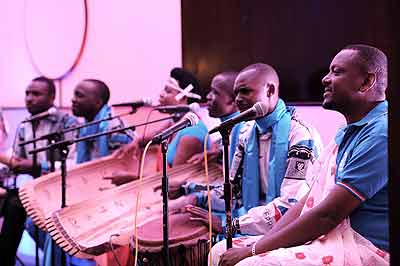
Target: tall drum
x: 188, y: 242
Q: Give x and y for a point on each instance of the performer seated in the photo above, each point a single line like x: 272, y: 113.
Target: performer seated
x: 343, y: 220
x: 188, y: 141
x: 220, y: 104
x: 39, y: 97
x: 90, y: 102
x: 272, y: 157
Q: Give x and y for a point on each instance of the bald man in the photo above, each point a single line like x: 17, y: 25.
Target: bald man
x: 271, y: 159
x: 343, y: 219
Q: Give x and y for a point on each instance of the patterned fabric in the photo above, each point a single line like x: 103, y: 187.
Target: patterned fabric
x: 304, y: 145
x: 341, y: 246
x: 52, y: 123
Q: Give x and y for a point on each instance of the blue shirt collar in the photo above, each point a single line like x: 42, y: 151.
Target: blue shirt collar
x: 378, y: 110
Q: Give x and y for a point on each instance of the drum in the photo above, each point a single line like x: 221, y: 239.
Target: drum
x: 188, y: 242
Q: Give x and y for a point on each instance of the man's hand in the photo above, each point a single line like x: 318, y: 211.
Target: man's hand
x: 130, y: 150
x: 199, y: 157
x: 234, y: 255
x: 21, y: 166
x: 199, y: 214
x: 120, y: 178
x: 175, y: 189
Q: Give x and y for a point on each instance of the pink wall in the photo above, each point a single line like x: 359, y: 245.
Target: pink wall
x: 325, y: 121
x: 130, y: 44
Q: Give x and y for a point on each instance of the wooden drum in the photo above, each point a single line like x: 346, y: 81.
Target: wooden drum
x: 188, y: 242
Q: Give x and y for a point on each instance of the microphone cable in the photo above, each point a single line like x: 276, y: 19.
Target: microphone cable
x: 138, y: 201
x: 144, y: 134
x: 113, y: 250
x: 136, y: 209
x: 208, y: 198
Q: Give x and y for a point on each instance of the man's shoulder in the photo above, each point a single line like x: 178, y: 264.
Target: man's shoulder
x: 303, y: 132
x: 64, y: 119
x: 377, y: 126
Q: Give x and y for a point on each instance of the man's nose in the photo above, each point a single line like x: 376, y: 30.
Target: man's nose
x: 326, y: 80
x: 28, y: 97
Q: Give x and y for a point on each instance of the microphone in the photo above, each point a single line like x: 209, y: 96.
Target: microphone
x: 182, y: 108
x: 50, y: 111
x: 259, y: 109
x: 140, y: 103
x: 190, y: 119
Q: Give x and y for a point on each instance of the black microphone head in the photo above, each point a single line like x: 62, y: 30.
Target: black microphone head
x: 140, y: 103
x: 173, y: 108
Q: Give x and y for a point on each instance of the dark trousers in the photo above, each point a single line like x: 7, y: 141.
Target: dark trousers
x: 13, y: 227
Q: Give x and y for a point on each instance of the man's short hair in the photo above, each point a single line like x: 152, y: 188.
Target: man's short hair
x: 372, y: 60
x: 50, y: 84
x: 264, y: 69
x: 102, y: 88
x: 228, y: 81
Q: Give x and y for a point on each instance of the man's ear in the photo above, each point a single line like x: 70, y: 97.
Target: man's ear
x: 369, y: 82
x: 270, y: 89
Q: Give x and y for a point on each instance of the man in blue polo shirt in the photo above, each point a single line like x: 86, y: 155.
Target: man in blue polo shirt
x: 343, y: 220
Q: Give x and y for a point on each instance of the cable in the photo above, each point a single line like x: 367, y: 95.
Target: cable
x: 144, y: 133
x: 138, y: 200
x: 208, y: 197
x: 113, y: 250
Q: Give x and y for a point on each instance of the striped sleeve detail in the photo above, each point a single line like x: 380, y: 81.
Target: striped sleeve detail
x: 352, y: 190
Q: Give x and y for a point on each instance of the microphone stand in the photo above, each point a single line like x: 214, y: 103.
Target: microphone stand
x: 72, y: 141
x: 225, y: 133
x: 51, y: 139
x: 64, y: 150
x: 35, y: 174
x: 58, y: 133
x: 164, y: 185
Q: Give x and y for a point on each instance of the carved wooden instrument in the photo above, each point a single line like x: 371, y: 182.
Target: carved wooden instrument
x: 42, y: 196
x: 84, y: 229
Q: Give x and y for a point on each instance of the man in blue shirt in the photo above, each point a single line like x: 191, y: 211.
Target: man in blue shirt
x: 317, y: 232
